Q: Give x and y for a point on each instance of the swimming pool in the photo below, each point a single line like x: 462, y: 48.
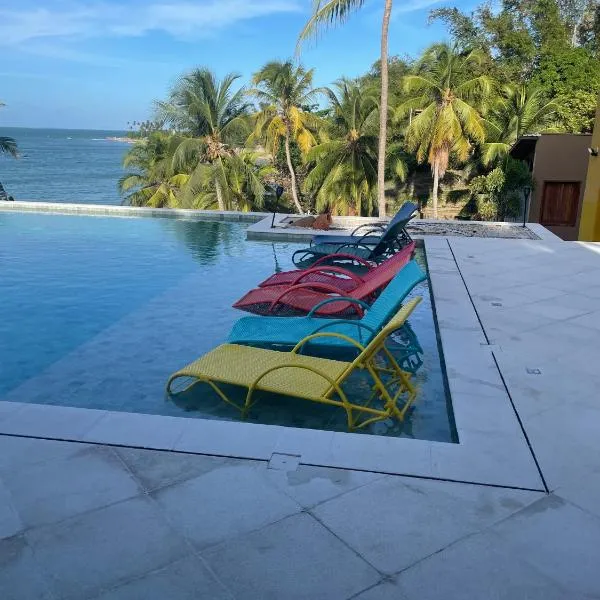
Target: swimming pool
x: 98, y: 311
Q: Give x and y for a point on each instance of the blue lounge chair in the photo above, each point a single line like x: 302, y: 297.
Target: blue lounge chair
x: 372, y: 231
x: 280, y: 332
x: 366, y: 247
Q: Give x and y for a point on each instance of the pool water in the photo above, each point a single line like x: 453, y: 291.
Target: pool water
x: 97, y: 312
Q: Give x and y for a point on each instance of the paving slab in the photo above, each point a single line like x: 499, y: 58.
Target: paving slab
x: 187, y: 579
x: 96, y: 551
x: 55, y: 490
x: 560, y: 540
x: 395, y: 522
x: 310, y: 486
x: 225, y: 502
x: 478, y: 567
x: 20, y: 576
x: 156, y: 469
x: 296, y: 559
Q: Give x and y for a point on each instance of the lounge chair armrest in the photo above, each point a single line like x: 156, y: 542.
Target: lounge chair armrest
x: 355, y: 322
x: 380, y: 226
x: 327, y: 269
x: 352, y: 245
x: 331, y: 322
x: 362, y: 306
x: 325, y: 334
x: 340, y: 255
x: 367, y: 235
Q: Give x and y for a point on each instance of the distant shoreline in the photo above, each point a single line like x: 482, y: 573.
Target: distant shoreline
x: 126, y: 140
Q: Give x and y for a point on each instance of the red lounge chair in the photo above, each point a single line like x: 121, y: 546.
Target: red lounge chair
x: 325, y: 273
x: 301, y: 298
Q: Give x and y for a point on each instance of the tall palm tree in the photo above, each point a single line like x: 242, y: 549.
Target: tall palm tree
x: 447, y: 93
x: 343, y: 170
x: 521, y: 109
x: 213, y: 113
x: 328, y: 12
x: 282, y: 90
x: 8, y: 145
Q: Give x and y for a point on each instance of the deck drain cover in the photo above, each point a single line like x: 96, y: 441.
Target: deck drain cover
x: 284, y: 462
x: 534, y: 372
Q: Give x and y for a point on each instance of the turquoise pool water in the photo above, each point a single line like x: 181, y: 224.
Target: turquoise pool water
x: 97, y: 312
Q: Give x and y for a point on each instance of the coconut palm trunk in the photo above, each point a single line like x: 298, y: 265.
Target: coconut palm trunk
x: 219, y: 194
x: 436, y: 185
x: 383, y: 109
x: 288, y: 158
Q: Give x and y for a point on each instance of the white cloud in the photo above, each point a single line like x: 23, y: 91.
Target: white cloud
x: 184, y: 19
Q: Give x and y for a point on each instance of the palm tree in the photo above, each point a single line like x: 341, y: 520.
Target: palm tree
x: 242, y: 180
x: 282, y: 90
x: 152, y: 180
x: 446, y: 92
x: 213, y: 114
x: 8, y: 145
x: 328, y: 12
x: 520, y: 110
x: 343, y: 170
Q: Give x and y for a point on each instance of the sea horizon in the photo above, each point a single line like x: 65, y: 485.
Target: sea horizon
x: 69, y: 165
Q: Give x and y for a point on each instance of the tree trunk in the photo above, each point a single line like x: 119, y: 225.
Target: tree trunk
x: 288, y: 158
x: 383, y: 109
x: 219, y: 192
x: 436, y: 184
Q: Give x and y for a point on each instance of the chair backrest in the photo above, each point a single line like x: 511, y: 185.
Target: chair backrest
x: 395, y: 227
x: 401, y: 257
x: 388, y: 302
x: 380, y: 277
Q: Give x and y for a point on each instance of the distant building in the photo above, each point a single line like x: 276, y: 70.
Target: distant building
x: 558, y: 163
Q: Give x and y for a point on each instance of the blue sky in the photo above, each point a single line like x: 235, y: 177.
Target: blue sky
x: 101, y: 63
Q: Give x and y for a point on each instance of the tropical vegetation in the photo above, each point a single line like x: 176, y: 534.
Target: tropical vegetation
x: 8, y: 145
x: 437, y: 127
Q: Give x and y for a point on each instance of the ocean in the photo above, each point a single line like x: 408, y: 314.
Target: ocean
x: 64, y: 165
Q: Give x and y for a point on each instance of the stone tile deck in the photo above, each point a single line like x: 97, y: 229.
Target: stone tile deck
x: 91, y: 521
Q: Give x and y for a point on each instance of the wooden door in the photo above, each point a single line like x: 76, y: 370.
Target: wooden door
x: 560, y: 202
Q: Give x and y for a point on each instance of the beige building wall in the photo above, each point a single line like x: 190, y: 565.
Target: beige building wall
x: 589, y: 229
x: 559, y: 158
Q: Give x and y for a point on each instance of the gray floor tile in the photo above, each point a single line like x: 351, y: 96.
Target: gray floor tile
x: 383, y: 591
x: 583, y: 491
x: 187, y: 579
x: 225, y: 502
x: 16, y: 452
x: 479, y: 567
x: 49, y: 492
x: 20, y: 576
x: 10, y: 522
x: 311, y: 485
x: 295, y: 559
x: 155, y: 469
x: 560, y: 540
x: 396, y: 521
x: 102, y: 549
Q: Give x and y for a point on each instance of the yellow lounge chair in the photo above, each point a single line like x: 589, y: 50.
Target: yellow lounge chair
x: 310, y: 378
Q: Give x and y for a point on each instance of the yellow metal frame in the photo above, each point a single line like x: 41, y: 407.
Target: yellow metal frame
x: 386, y: 376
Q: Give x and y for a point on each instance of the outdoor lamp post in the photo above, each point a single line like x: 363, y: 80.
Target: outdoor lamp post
x: 526, y: 195
x: 278, y: 193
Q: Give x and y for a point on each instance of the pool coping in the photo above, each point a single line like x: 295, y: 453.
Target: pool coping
x: 492, y: 450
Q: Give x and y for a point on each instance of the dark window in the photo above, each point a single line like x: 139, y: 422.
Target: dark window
x: 560, y: 202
